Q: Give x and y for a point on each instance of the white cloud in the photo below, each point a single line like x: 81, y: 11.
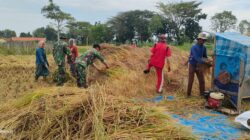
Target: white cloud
x: 109, y: 5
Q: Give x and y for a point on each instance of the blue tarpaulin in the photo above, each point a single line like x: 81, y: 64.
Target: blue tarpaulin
x: 230, y: 49
x: 156, y: 99
x: 214, y: 127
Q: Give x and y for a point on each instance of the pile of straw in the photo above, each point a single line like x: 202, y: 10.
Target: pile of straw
x: 104, y: 110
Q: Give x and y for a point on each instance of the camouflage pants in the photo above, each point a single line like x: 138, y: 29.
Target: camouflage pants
x: 61, y: 76
x: 81, y: 76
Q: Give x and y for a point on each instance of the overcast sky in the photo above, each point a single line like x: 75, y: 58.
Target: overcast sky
x: 25, y: 15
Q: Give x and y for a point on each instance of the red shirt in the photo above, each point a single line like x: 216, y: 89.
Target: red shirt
x: 74, y: 52
x: 133, y: 46
x: 159, y: 52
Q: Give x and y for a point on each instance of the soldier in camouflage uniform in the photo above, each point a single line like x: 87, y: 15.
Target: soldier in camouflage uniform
x: 60, y: 50
x: 84, y: 61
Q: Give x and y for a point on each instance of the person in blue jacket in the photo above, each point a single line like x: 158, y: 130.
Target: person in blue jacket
x: 41, y: 62
x: 198, y: 55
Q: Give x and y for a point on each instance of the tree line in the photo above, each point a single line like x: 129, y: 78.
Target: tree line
x: 179, y: 20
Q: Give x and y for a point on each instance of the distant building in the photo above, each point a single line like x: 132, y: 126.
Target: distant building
x: 26, y: 39
x: 2, y: 40
x: 22, y: 42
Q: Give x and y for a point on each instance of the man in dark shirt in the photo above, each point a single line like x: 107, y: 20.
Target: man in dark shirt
x: 41, y: 62
x: 198, y: 55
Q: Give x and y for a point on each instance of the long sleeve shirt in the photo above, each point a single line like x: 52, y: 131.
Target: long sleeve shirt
x: 41, y: 57
x: 74, y: 52
x: 60, y: 50
x: 88, y: 57
x: 197, y: 54
x: 159, y: 52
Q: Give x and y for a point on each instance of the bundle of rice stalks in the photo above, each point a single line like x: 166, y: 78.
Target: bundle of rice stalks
x: 55, y: 75
x: 94, y: 115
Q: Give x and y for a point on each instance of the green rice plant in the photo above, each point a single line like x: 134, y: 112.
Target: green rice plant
x: 27, y: 99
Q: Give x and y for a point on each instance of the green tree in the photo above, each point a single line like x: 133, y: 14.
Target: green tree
x: 80, y: 30
x: 22, y: 34
x: 156, y: 25
x: 7, y: 33
x: 53, y: 11
x: 49, y: 33
x: 223, y: 21
x: 100, y: 33
x: 182, y: 19
x: 244, y: 27
x: 39, y: 32
x: 192, y: 29
x: 127, y: 25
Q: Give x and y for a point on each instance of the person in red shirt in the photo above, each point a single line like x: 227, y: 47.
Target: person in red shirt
x: 133, y: 44
x: 160, y: 52
x: 72, y: 58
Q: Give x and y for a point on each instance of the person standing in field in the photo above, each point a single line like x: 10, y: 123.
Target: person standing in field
x: 134, y: 44
x: 198, y: 56
x: 71, y: 59
x: 160, y: 52
x: 60, y: 50
x: 86, y: 59
x: 42, y: 63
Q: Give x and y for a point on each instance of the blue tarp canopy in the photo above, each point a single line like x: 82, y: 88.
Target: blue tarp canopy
x: 235, y: 37
x: 232, y: 50
x: 235, y: 47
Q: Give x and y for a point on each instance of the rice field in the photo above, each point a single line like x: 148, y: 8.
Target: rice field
x: 106, y: 110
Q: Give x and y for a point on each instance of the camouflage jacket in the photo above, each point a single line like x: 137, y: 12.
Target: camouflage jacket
x: 60, y: 50
x: 88, y: 57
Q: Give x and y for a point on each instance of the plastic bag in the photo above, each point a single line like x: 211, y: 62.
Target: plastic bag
x: 244, y: 118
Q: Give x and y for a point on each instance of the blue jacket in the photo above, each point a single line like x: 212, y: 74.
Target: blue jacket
x: 196, y: 54
x: 41, y: 57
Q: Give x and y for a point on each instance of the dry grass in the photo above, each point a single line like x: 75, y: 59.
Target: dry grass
x: 103, y: 111
x: 17, y: 76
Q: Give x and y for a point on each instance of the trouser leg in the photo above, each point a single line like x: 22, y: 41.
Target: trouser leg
x: 201, y: 79
x: 73, y: 69
x: 38, y: 71
x: 81, y: 76
x: 61, y: 75
x: 160, y: 79
x: 191, y: 71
